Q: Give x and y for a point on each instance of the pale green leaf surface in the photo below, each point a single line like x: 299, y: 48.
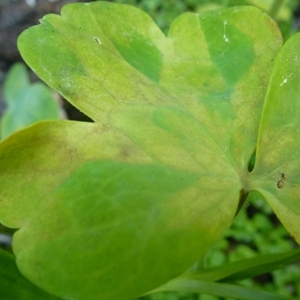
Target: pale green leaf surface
x: 53, y: 151
x: 138, y: 228
x: 133, y: 200
x: 175, y: 226
x: 203, y: 68
x: 276, y: 174
x: 27, y: 103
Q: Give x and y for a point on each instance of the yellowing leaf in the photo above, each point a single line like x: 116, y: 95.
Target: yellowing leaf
x: 131, y: 201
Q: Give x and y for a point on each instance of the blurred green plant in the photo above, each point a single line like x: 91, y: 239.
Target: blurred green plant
x: 13, y: 286
x: 26, y: 103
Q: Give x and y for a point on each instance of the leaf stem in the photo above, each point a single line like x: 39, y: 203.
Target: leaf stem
x: 243, y: 196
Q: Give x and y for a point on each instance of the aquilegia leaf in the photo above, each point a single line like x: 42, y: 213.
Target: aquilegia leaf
x: 113, y: 209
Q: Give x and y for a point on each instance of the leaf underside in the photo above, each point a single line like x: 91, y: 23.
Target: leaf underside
x: 132, y: 200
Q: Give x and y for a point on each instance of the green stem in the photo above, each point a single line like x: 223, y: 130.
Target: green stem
x: 275, y: 8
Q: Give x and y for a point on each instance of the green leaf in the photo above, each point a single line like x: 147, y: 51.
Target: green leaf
x: 246, y: 268
x: 27, y: 103
x: 98, y: 191
x: 131, y: 201
x: 218, y: 289
x: 276, y: 174
x: 201, y: 281
x: 53, y: 151
x: 14, y: 286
